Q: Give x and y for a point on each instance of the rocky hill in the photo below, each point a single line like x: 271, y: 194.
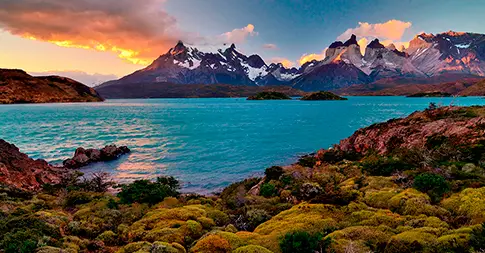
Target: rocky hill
x: 16, y: 86
x: 428, y: 57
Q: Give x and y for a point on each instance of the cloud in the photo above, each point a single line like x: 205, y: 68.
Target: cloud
x: 137, y: 31
x: 238, y: 35
x: 270, y: 46
x: 80, y: 76
x: 310, y: 57
x: 389, y: 32
x: 286, y: 63
x: 363, y: 42
x: 392, y: 29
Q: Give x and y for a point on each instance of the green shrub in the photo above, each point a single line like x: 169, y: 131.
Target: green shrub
x: 255, y: 217
x: 433, y: 184
x: 273, y: 173
x: 377, y: 165
x: 75, y: 198
x: 268, y: 190
x: 145, y: 191
x: 20, y: 242
x: 307, y: 161
x: 302, y: 242
x: 477, y: 240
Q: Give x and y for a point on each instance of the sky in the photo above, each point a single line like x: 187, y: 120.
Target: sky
x: 93, y: 41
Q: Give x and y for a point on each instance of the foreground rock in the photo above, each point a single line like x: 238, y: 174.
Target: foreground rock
x: 83, y: 157
x: 269, y: 95
x: 322, y: 95
x: 17, y: 87
x: 20, y: 171
x: 453, y: 125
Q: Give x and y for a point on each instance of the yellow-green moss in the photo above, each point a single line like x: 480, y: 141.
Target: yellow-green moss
x: 108, y: 237
x: 470, y: 202
x: 379, y: 199
x: 252, y: 249
x: 139, y: 247
x: 48, y: 249
x: 410, y: 241
x: 211, y: 244
x: 413, y: 202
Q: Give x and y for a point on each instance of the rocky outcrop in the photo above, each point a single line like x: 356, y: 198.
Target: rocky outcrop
x: 17, y: 170
x: 83, y: 157
x: 456, y: 125
x: 16, y: 86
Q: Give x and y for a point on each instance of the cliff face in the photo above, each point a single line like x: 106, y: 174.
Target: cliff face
x: 16, y: 86
x: 20, y: 171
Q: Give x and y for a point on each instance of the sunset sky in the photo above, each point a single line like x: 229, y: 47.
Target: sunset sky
x: 94, y: 41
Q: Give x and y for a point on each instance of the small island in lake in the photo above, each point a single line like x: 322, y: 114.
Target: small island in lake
x: 323, y: 95
x: 269, y: 95
x: 438, y: 94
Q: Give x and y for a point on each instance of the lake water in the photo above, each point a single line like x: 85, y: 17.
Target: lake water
x: 206, y: 143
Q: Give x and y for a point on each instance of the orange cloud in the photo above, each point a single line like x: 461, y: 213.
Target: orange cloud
x: 392, y: 29
x: 389, y: 32
x: 310, y: 57
x: 286, y: 63
x: 137, y: 31
x: 363, y: 45
x: 238, y: 35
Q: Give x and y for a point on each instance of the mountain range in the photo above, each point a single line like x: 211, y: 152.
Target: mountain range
x: 427, y: 56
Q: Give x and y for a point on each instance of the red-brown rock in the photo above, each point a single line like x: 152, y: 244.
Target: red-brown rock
x: 19, y: 171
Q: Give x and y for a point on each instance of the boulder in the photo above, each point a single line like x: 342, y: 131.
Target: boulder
x: 83, y: 157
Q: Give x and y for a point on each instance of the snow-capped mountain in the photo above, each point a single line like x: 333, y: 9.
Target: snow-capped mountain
x: 428, y: 55
x: 448, y: 52
x: 189, y: 65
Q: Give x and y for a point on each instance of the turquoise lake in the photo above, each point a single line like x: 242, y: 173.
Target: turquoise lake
x: 206, y: 143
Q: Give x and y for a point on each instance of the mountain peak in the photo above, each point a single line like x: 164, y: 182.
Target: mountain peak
x: 336, y: 44
x: 178, y: 49
x: 351, y: 41
x: 453, y: 33
x: 375, y: 44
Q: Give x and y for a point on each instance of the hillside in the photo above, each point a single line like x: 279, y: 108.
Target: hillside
x: 171, y: 90
x: 16, y: 86
x: 454, y: 84
x: 415, y: 184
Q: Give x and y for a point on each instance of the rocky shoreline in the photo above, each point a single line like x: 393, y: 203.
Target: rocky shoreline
x: 415, y: 184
